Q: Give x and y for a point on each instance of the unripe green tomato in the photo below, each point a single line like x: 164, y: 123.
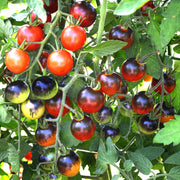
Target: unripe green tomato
x: 33, y: 109
x: 17, y: 91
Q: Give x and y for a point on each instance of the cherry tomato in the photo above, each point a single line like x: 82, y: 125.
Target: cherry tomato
x: 119, y: 33
x: 131, y: 70
x: 52, y: 6
x: 33, y: 108
x: 148, y: 4
x: 104, y: 115
x: 43, y: 60
x: 109, y: 131
x: 122, y: 90
x: 85, y: 12
x: 90, y: 100
x: 169, y: 84
x: 7, y: 75
x: 17, y: 60
x: 46, y: 136
x: 127, y: 110
x: 28, y: 156
x: 83, y: 129
x: 146, y: 125
x: 69, y: 165
x: 60, y: 62
x: 147, y: 78
x: 141, y: 103
x: 17, y: 91
x: 44, y: 87
x: 30, y: 34
x: 73, y: 37
x: 53, y: 105
x: 110, y: 83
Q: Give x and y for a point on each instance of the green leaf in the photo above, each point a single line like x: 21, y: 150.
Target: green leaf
x: 142, y: 163
x: 13, y: 158
x: 3, y: 4
x: 116, y: 177
x: 151, y: 152
x: 128, y: 164
x: 14, y: 177
x: 173, y: 159
x: 177, y: 49
x: 170, y: 133
x: 3, y: 149
x: 174, y: 173
x: 170, y: 23
x: 127, y: 7
x: 106, y: 48
x: 3, y: 173
x: 3, y: 113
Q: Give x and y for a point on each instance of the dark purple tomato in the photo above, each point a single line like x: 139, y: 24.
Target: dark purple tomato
x: 52, y: 6
x: 122, y: 90
x: 119, y: 33
x: 7, y: 75
x: 85, y: 12
x: 43, y: 60
x: 69, y: 165
x: 131, y: 70
x: 83, y: 129
x: 141, y: 103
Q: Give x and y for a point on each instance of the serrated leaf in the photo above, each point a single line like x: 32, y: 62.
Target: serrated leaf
x: 142, y: 163
x: 177, y: 49
x: 127, y: 7
x: 106, y: 48
x: 173, y: 159
x: 170, y: 23
x: 170, y: 133
x: 174, y: 173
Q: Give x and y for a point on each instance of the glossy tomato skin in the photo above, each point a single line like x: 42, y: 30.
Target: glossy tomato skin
x: 83, y: 129
x: 43, y: 60
x: 33, y: 108
x: 147, y: 125
x: 69, y: 165
x: 60, y: 62
x: 17, y: 60
x: 90, y: 100
x: 44, y: 87
x: 132, y: 71
x: 104, y: 115
x: 17, y: 91
x: 53, y: 105
x: 30, y: 34
x: 169, y: 84
x: 118, y: 33
x: 122, y: 90
x: 73, y: 37
x: 110, y: 83
x: 46, y: 136
x: 52, y: 6
x: 85, y: 11
x: 141, y: 103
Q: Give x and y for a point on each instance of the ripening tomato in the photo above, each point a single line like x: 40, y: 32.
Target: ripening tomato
x: 147, y: 78
x: 28, y: 156
x: 60, y: 62
x: 73, y: 37
x: 17, y: 60
x: 85, y: 12
x: 122, y: 34
x: 7, y: 75
x: 145, y: 6
x: 43, y: 60
x: 30, y: 34
x: 90, y: 100
x: 52, y: 6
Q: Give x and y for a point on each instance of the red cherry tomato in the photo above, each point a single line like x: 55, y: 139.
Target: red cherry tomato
x: 30, y: 34
x: 141, y: 103
x: 43, y: 60
x: 169, y: 84
x: 85, y: 12
x: 110, y: 83
x: 148, y: 4
x: 73, y: 37
x: 118, y: 33
x: 60, y: 62
x: 83, y: 129
x: 28, y: 156
x: 53, y: 105
x: 131, y: 70
x: 17, y: 60
x: 52, y: 6
x: 90, y: 100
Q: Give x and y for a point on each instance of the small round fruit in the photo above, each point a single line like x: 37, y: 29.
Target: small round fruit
x: 73, y: 37
x: 60, y: 62
x: 122, y: 90
x: 44, y: 87
x: 46, y: 136
x: 17, y: 60
x: 83, y: 129
x: 7, y: 75
x: 109, y: 131
x: 43, y: 60
x: 104, y: 115
x: 30, y: 34
x: 147, y: 126
x: 52, y: 6
x: 33, y: 108
x: 141, y: 103
x: 119, y: 33
x: 147, y: 78
x: 53, y: 105
x: 90, y: 100
x: 28, y: 156
x: 69, y: 165
x: 17, y: 91
x: 85, y: 12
